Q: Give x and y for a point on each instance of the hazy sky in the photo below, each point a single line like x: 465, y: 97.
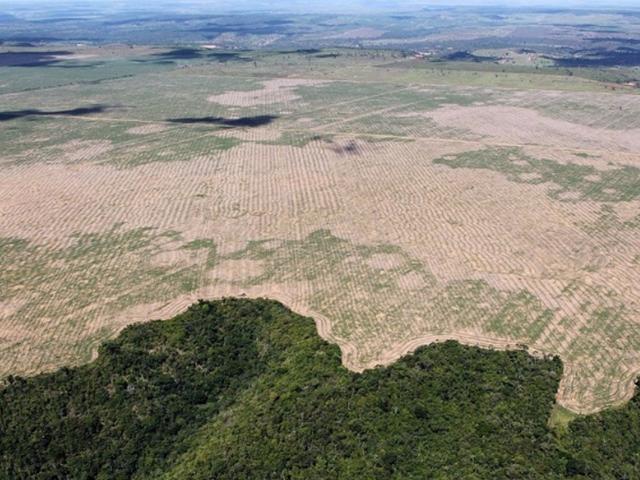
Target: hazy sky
x: 283, y: 4
x: 299, y: 5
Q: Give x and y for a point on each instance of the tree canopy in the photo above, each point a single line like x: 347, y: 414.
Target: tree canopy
x: 240, y: 388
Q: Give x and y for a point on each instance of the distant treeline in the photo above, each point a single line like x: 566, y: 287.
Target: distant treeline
x: 245, y: 389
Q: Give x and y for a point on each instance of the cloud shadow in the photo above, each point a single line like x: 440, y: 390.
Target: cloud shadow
x: 250, y: 122
x: 32, y: 59
x: 32, y: 112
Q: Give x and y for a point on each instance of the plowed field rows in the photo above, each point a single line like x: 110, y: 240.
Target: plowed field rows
x: 395, y: 213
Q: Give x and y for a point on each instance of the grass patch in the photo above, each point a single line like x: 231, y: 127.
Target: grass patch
x: 58, y: 285
x: 560, y: 419
x: 616, y: 185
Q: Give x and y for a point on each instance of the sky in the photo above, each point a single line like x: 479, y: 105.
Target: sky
x: 390, y: 4
x: 334, y: 6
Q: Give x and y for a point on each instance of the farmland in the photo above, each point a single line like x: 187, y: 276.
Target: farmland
x: 398, y: 203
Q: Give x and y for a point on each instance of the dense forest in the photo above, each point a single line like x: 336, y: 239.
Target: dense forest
x: 240, y: 389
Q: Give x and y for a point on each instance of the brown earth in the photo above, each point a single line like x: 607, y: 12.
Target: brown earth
x: 385, y: 249
x: 280, y: 90
x: 526, y: 126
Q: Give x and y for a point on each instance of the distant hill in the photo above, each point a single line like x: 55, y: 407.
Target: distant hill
x: 239, y: 388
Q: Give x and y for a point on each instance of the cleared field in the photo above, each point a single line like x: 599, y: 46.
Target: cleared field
x: 396, y: 212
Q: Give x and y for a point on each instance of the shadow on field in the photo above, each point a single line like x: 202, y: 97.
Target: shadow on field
x: 180, y: 54
x: 224, y: 57
x: 32, y: 112
x: 251, y: 122
x: 350, y: 148
x: 196, y: 53
x: 593, y: 58
x: 464, y: 56
x: 32, y: 59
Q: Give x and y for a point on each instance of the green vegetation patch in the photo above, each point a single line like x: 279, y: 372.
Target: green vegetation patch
x: 380, y: 288
x: 55, y: 287
x: 33, y: 79
x: 182, y: 144
x: 73, y: 273
x: 574, y: 181
x: 560, y: 419
x: 243, y: 388
x: 608, y: 219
